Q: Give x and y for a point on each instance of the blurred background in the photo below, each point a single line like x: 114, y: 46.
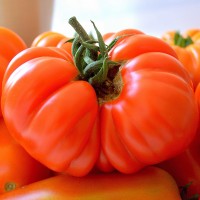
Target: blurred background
x: 32, y: 17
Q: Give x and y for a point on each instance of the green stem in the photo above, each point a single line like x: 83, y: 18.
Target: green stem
x: 82, y: 34
x: 102, y: 46
x: 92, y: 60
x: 75, y: 45
x: 79, y: 29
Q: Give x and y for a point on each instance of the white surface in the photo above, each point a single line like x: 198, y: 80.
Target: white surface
x: 153, y: 17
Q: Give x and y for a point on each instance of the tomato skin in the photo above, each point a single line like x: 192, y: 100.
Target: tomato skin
x: 103, y: 164
x: 16, y: 165
x: 109, y: 37
x: 34, y: 52
x: 142, y: 44
x: 190, y: 57
x: 48, y: 39
x: 52, y: 39
x: 11, y: 45
x: 67, y: 46
x: 149, y: 184
x: 51, y: 89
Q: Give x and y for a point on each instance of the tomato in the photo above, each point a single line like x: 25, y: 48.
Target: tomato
x: 17, y: 167
x: 66, y: 45
x: 64, y: 114
x: 192, y: 32
x: 149, y: 184
x: 109, y: 37
x: 11, y: 44
x: 48, y: 38
x: 52, y: 39
x: 187, y: 48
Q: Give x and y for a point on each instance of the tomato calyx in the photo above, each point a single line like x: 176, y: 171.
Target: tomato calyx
x: 184, y: 193
x: 9, y: 186
x: 92, y: 60
x: 181, y: 41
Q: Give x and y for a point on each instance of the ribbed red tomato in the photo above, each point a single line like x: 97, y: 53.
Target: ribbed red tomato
x: 133, y: 98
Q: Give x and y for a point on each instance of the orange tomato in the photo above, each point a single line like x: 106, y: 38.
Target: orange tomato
x: 194, y: 34
x: 64, y: 44
x: 53, y: 39
x: 11, y: 45
x: 109, y: 37
x: 187, y: 48
x: 149, y: 184
x: 48, y: 39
